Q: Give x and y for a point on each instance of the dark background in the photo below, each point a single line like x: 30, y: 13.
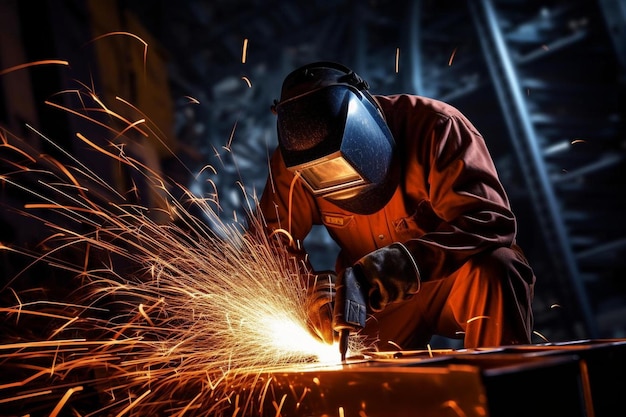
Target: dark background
x: 542, y: 80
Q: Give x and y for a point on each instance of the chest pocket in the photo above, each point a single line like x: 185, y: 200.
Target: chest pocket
x: 422, y: 221
x: 336, y: 220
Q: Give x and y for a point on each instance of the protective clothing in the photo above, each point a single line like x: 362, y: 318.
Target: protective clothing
x: 332, y: 133
x: 389, y: 274
x: 449, y: 210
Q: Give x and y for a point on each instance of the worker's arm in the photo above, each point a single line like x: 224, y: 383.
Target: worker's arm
x: 285, y: 203
x: 449, y: 170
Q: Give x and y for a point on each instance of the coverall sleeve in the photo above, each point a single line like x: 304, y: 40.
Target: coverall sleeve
x: 285, y: 203
x: 451, y: 158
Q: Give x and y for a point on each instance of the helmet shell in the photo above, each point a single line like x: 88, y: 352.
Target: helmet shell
x: 332, y: 132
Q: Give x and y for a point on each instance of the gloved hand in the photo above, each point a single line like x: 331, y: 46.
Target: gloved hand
x: 388, y: 274
x: 319, y: 304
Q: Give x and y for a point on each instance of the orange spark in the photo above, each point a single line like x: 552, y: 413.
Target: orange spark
x: 101, y: 150
x: 279, y: 406
x: 452, y: 57
x: 132, y: 35
x: 192, y: 100
x: 193, y: 322
x: 158, y: 134
x: 397, y: 60
x: 5, y: 144
x: 455, y: 407
x: 131, y: 405
x: 24, y: 397
x: 143, y: 313
x: 391, y: 342
x: 130, y: 126
x: 477, y: 318
x: 230, y: 138
x: 32, y: 64
x: 63, y: 400
x: 106, y: 111
x: 244, y: 51
x: 540, y: 335
x: 247, y: 80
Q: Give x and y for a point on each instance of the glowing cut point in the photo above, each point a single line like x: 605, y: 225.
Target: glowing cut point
x: 289, y: 336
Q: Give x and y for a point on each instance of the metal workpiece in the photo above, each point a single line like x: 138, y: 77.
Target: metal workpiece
x: 580, y: 378
x: 367, y: 389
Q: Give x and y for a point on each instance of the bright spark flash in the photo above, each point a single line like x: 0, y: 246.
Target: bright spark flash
x: 168, y: 313
x: 290, y: 336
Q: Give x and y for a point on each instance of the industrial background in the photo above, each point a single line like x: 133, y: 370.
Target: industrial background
x: 543, y: 80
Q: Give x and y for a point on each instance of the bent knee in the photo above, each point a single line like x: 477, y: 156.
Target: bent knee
x: 504, y: 263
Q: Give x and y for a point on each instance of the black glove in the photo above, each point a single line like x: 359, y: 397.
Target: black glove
x: 388, y: 274
x: 319, y: 305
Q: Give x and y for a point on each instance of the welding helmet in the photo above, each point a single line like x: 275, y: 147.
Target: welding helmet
x: 332, y: 133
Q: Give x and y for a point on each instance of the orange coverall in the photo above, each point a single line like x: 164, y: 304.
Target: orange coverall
x: 450, y: 210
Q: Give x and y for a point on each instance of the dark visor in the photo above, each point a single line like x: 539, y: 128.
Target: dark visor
x: 311, y: 125
x: 333, y: 138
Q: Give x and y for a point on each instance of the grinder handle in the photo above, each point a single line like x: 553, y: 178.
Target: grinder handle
x: 350, y: 308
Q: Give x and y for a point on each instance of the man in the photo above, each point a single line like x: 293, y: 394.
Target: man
x: 407, y: 188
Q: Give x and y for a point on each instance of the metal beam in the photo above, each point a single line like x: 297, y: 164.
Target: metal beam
x: 614, y: 12
x: 509, y: 91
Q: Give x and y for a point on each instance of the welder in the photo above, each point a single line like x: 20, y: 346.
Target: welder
x: 408, y: 189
